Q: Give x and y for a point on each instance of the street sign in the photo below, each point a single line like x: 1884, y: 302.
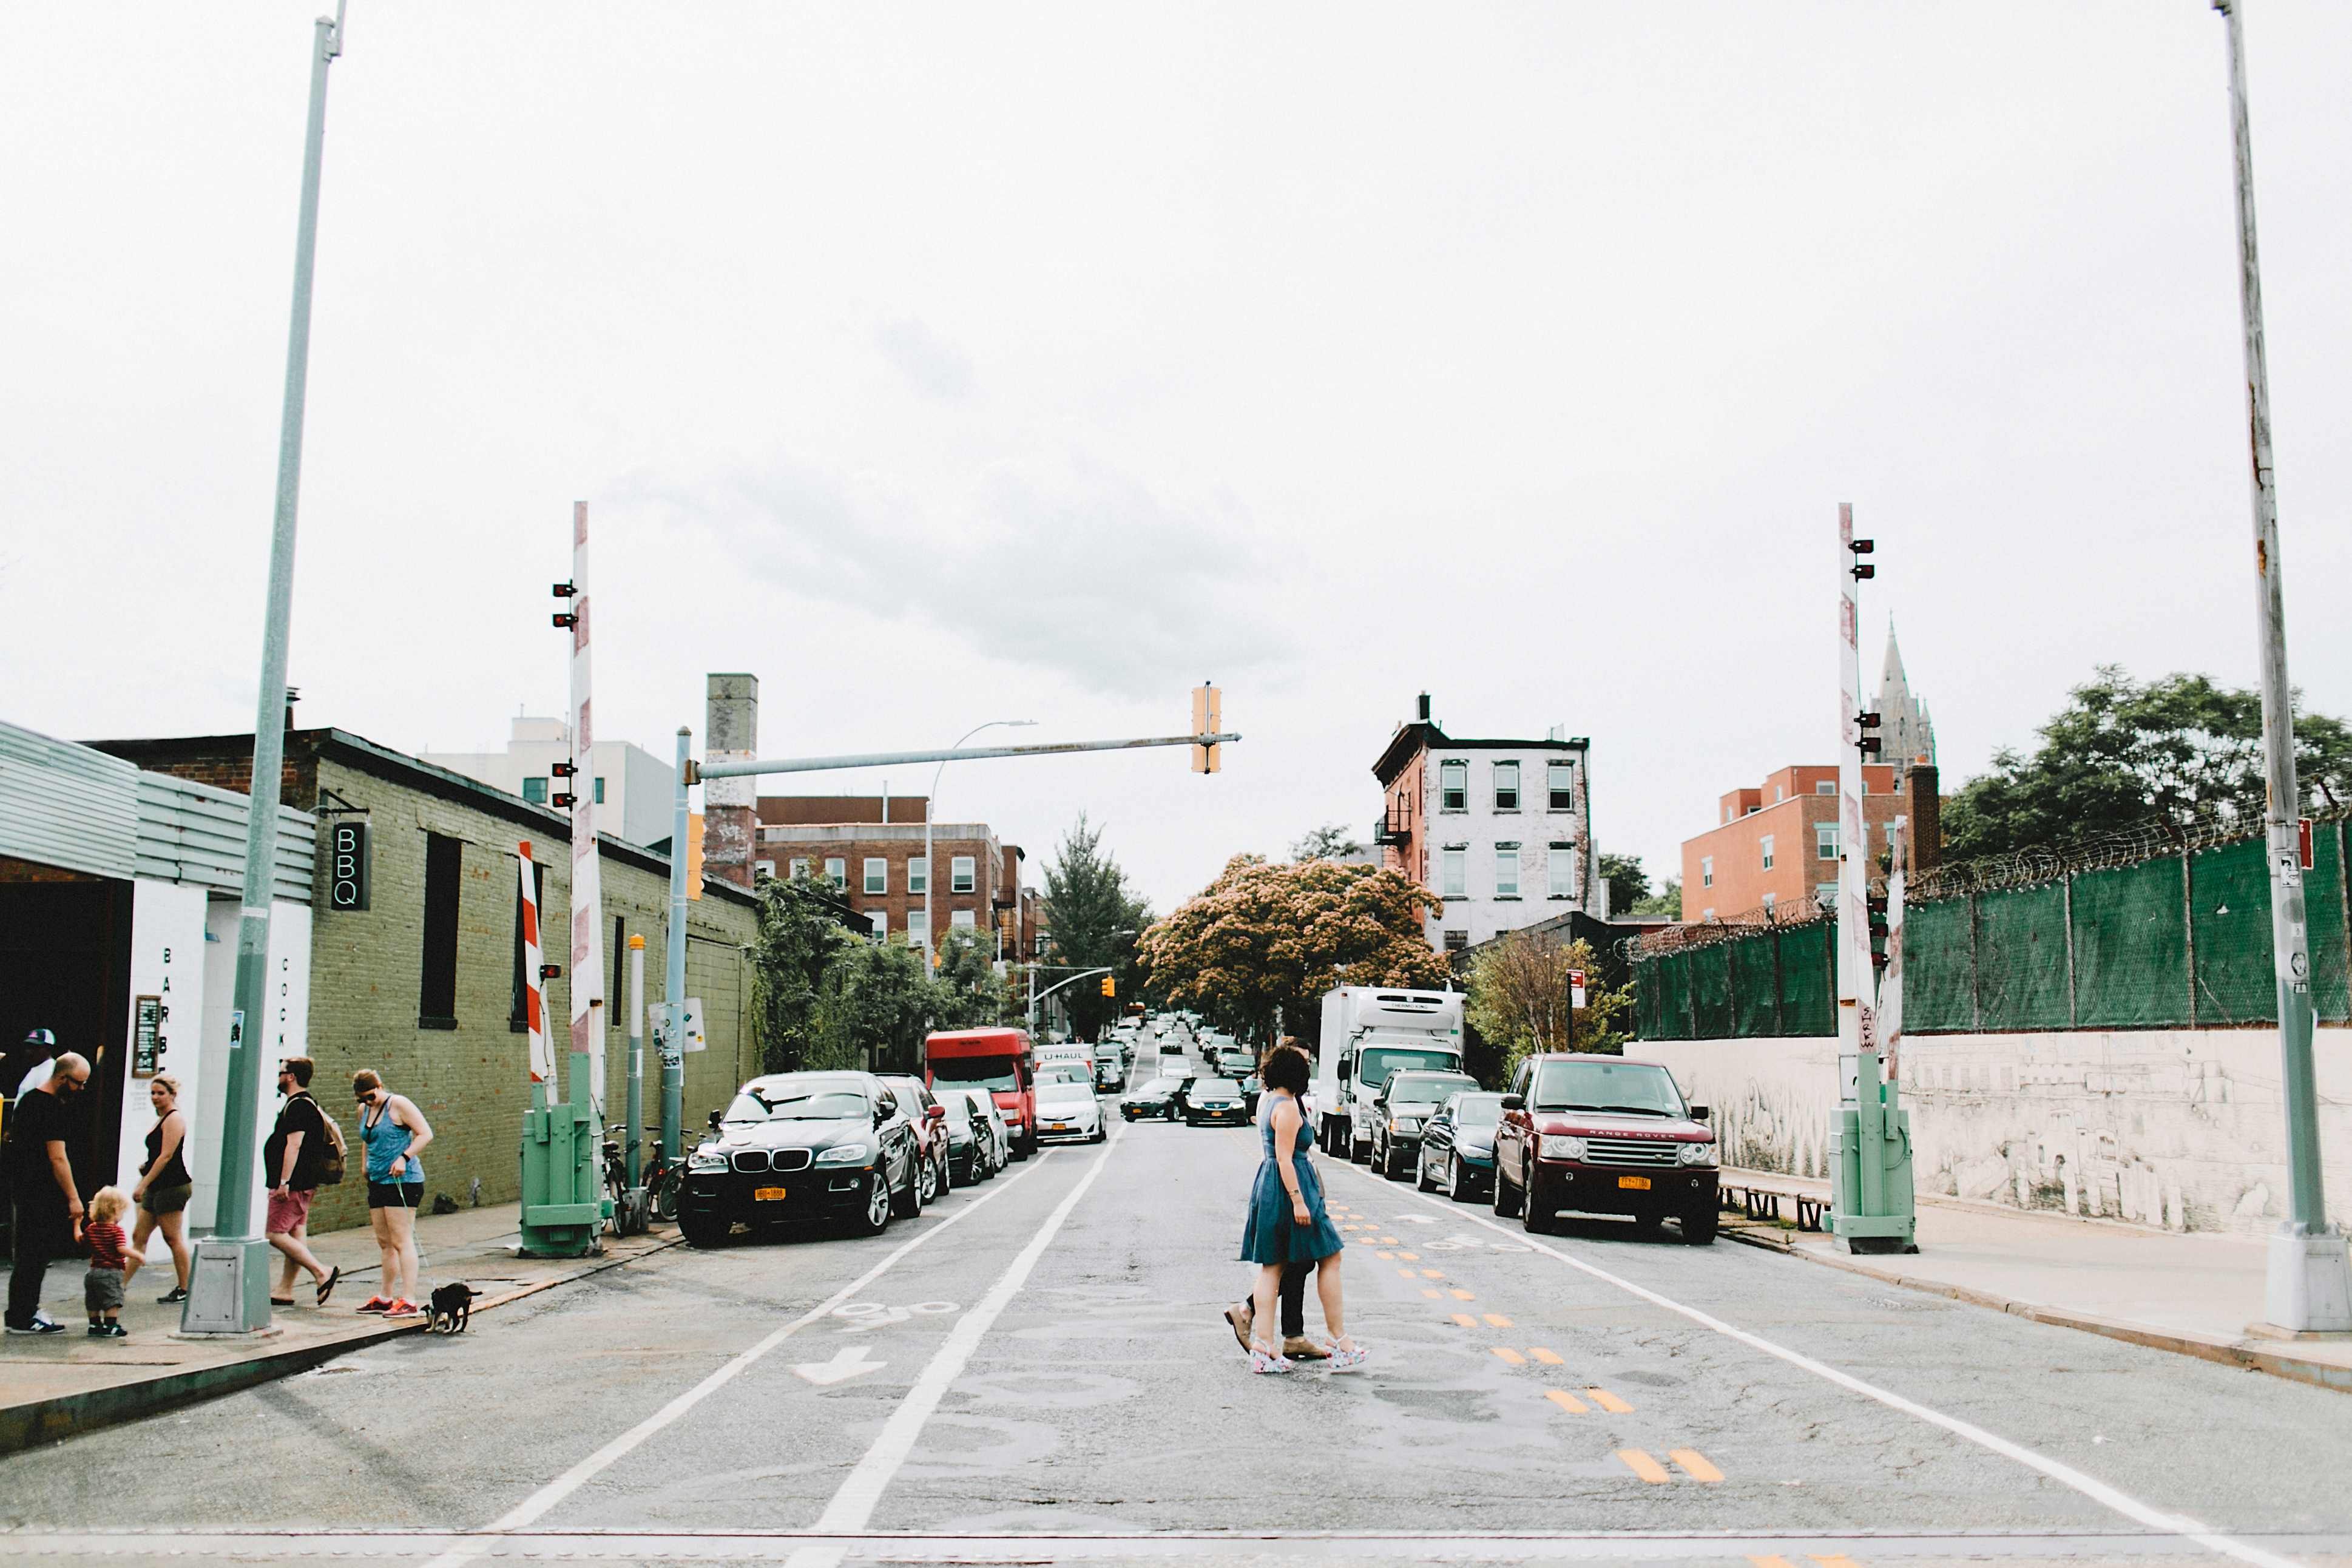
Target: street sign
x: 2302, y: 833
x: 687, y: 1036
x: 1575, y: 988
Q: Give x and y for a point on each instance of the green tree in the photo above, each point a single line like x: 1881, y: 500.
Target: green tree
x: 971, y: 994
x: 1519, y: 998
x: 2122, y: 753
x: 874, y: 1004
x: 1628, y: 883
x: 1667, y: 900
x: 1266, y: 939
x: 1095, y: 919
x: 800, y: 937
x: 1328, y: 842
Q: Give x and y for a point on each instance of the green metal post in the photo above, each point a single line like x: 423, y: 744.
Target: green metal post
x: 673, y: 1048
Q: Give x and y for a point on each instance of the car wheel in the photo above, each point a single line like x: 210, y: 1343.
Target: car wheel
x: 1698, y: 1226
x: 908, y: 1201
x: 880, y: 1205
x: 946, y: 1175
x: 702, y: 1228
x: 1360, y: 1153
x: 1647, y: 1226
x: 1099, y: 1134
x: 1420, y: 1182
x: 926, y: 1184
x: 1457, y: 1180
x: 1507, y: 1205
x: 1537, y: 1218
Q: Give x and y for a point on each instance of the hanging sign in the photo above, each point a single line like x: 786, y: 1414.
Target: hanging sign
x: 347, y: 865
x: 146, y: 1035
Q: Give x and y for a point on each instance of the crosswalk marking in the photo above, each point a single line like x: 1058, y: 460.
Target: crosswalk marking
x: 1641, y: 1464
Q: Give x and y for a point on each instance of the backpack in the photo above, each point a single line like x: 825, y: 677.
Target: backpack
x: 330, y: 1164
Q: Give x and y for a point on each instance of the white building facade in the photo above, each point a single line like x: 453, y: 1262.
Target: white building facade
x: 1498, y: 829
x: 635, y: 787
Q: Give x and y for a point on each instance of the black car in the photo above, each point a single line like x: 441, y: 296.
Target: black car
x: 1458, y: 1146
x: 970, y: 1158
x: 1215, y: 1099
x: 1404, y: 1102
x: 1163, y: 1098
x: 803, y: 1146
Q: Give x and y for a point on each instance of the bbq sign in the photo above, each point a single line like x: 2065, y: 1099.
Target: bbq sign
x: 347, y: 865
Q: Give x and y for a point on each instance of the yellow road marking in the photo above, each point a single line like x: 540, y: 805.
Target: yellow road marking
x: 1694, y: 1465
x: 1433, y: 1274
x: 1410, y: 1256
x: 1433, y: 1295
x: 1508, y: 1355
x: 1496, y: 1321
x: 1388, y: 1241
x: 1387, y: 1257
x: 1834, y: 1560
x: 1609, y: 1401
x: 1406, y: 1272
x: 1575, y: 1406
x: 1771, y: 1560
x: 1461, y: 1295
x: 1549, y: 1358
x: 1641, y: 1464
x: 1465, y: 1319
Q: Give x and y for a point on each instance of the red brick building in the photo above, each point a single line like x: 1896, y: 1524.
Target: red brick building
x: 1775, y: 846
x: 871, y: 848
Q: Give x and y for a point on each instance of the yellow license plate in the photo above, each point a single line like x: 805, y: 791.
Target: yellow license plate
x: 776, y: 1195
x: 1639, y: 1184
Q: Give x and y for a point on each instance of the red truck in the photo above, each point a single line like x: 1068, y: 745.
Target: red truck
x: 997, y: 1061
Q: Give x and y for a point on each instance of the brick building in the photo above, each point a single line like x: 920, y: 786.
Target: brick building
x: 871, y: 847
x: 1500, y: 830
x: 1775, y: 846
x: 423, y: 981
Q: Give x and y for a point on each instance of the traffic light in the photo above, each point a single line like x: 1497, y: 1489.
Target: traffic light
x: 1109, y: 985
x: 1208, y: 719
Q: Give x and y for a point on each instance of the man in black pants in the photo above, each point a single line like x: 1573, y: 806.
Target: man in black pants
x: 1294, y: 1343
x: 41, y: 1184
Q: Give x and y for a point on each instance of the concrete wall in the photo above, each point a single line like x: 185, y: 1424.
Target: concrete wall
x: 2175, y: 1128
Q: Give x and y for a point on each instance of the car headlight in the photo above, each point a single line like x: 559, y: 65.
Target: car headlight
x: 707, y: 1159
x: 1561, y: 1146
x: 1405, y: 1124
x: 1696, y: 1154
x: 847, y: 1155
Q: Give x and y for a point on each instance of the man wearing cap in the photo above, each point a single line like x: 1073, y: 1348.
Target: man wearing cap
x: 41, y: 1184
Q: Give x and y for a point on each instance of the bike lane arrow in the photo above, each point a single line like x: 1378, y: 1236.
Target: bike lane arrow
x: 846, y: 1364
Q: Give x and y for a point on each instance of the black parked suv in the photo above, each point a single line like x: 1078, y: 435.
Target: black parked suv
x: 803, y: 1146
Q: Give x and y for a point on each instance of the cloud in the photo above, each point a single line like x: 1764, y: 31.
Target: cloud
x: 933, y: 364
x: 1060, y: 565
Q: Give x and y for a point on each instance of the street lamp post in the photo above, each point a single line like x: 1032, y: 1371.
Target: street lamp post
x: 930, y: 814
x: 2309, y: 1282
x: 235, y: 1299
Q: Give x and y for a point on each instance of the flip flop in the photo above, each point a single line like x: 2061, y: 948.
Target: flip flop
x: 282, y: 1301
x: 327, y: 1286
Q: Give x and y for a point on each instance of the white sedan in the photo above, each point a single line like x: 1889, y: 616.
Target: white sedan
x: 1066, y: 1109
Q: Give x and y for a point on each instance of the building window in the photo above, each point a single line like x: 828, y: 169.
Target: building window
x: 1560, y: 784
x: 1825, y: 786
x: 1767, y: 851
x: 880, y: 921
x: 918, y: 927
x: 963, y: 920
x: 1507, y: 786
x: 799, y: 866
x: 1561, y: 867
x: 919, y: 873
x: 599, y: 790
x: 1825, y: 840
x: 535, y: 791
x: 836, y: 871
x: 1769, y: 900
x: 518, y: 1019
x: 1454, y: 869
x: 1456, y: 941
x: 1866, y: 783
x: 1780, y: 794
x: 877, y: 874
x: 1825, y: 892
x: 763, y: 868
x: 437, y: 997
x: 1453, y: 786
x: 1507, y: 870
x: 1706, y: 870
x: 1890, y: 837
x: 616, y: 998
x: 962, y: 872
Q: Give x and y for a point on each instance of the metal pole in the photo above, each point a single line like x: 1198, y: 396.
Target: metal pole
x: 752, y: 768
x: 635, y: 1126
x: 252, y: 1021
x: 673, y: 1060
x: 2310, y: 1278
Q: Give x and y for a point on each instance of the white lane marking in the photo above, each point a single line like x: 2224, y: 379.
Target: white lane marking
x: 851, y: 1508
x: 2066, y: 1475
x: 845, y: 1363
x: 534, y: 1506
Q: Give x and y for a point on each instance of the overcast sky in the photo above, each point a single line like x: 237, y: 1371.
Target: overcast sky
x: 950, y: 362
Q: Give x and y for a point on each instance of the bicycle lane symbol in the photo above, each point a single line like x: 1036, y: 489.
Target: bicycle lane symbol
x: 867, y: 1316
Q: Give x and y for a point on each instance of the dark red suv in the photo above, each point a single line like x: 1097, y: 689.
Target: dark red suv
x: 1603, y: 1135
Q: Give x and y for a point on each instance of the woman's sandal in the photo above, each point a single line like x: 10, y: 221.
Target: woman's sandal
x: 1266, y: 1360
x: 1350, y: 1358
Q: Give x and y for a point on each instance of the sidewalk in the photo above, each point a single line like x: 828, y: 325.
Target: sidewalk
x: 2197, y: 1294
x: 70, y: 1382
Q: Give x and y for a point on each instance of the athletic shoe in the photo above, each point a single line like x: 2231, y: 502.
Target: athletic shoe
x: 38, y: 1326
x: 376, y: 1304
x: 1268, y: 1362
x: 173, y: 1297
x: 1349, y: 1360
x: 403, y: 1309
x: 109, y: 1331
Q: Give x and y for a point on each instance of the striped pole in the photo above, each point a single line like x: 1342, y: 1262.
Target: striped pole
x: 535, y: 990
x: 587, y: 892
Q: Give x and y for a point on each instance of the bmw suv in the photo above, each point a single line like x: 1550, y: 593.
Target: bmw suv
x: 803, y: 1146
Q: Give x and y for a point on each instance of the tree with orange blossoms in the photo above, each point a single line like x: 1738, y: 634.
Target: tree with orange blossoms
x: 1268, y: 936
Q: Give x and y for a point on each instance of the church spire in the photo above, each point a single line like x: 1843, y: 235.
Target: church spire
x: 1903, y: 721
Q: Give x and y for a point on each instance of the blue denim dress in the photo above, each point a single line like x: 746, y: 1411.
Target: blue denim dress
x: 1271, y: 1235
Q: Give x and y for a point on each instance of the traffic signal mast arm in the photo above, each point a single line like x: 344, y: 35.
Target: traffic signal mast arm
x: 699, y: 772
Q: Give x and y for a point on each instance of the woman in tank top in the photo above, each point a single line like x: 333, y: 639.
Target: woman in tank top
x: 165, y: 1184
x: 394, y: 1132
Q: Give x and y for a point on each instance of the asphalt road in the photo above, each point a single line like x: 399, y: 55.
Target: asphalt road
x: 1042, y: 1358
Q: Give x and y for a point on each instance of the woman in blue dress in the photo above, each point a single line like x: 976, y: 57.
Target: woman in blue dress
x: 1286, y: 1221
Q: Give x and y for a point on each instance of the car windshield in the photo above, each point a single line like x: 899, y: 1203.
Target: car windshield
x: 1423, y: 1088
x: 1160, y: 1086
x: 1643, y: 1089
x: 1477, y: 1110
x: 958, y: 1108
x: 1057, y: 1092
x: 804, y: 1102
x: 1058, y: 1075
x: 979, y: 1072
x: 1377, y: 1062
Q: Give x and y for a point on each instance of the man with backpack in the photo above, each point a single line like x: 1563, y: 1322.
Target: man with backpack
x: 305, y: 1152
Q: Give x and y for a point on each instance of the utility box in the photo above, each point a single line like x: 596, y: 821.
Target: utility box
x: 229, y: 1288
x: 1876, y: 1216
x: 564, y: 1202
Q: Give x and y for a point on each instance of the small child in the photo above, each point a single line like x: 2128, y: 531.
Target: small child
x: 111, y: 1263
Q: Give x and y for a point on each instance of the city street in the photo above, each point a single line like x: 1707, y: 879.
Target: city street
x: 1035, y: 1371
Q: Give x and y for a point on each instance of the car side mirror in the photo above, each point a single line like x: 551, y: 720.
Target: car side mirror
x: 1515, y: 1102
x: 1699, y: 1113
x: 936, y: 1113
x: 714, y: 1120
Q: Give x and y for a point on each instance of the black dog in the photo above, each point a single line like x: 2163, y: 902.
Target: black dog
x: 453, y: 1307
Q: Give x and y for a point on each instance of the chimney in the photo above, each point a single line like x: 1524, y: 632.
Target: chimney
x: 731, y: 807
x: 1925, y: 836
x: 1424, y: 708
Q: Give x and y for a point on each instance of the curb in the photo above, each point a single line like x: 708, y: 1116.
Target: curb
x: 37, y: 1422
x: 2252, y: 1355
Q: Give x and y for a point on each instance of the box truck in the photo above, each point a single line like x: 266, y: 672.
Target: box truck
x: 1370, y: 1032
